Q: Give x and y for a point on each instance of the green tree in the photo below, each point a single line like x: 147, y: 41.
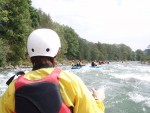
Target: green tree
x: 16, y: 24
x: 126, y: 52
x: 139, y: 54
x: 45, y: 20
x: 34, y: 15
x: 60, y: 30
x: 146, y: 56
x: 84, y: 52
x: 94, y: 51
x: 102, y: 51
x: 72, y: 40
x: 3, y: 53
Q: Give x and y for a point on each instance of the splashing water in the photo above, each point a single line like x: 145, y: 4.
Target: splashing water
x: 126, y: 85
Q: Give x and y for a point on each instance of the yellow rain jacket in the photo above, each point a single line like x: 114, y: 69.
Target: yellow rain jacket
x: 73, y: 90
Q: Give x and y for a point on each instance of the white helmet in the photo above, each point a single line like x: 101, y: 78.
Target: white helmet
x: 43, y: 42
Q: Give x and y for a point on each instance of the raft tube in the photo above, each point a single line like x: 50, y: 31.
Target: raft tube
x: 95, y: 66
x: 76, y: 67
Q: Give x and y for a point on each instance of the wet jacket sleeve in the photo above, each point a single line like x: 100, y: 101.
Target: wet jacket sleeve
x: 76, y: 94
x: 7, y: 100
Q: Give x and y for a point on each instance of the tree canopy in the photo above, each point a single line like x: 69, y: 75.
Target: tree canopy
x: 18, y: 18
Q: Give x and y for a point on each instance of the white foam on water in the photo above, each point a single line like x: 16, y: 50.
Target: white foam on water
x: 144, y: 77
x: 1, y: 76
x: 139, y: 98
x: 129, y: 71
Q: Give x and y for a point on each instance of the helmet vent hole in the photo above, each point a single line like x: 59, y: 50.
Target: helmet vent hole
x: 47, y: 49
x: 32, y: 50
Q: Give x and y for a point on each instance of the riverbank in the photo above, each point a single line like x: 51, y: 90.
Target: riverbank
x: 65, y: 62
x: 29, y: 65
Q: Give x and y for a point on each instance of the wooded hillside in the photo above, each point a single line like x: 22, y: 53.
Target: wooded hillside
x: 18, y: 19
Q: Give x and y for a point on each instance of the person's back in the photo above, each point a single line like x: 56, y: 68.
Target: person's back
x: 47, y: 89
x: 93, y: 63
x: 72, y: 63
x: 46, y: 97
x: 80, y: 63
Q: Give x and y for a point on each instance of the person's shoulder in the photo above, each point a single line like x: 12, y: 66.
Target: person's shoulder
x: 11, y: 88
x: 69, y: 76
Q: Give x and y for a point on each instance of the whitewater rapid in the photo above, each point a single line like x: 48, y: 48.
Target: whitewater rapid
x: 126, y: 85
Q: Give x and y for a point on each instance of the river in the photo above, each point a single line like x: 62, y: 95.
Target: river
x: 126, y: 85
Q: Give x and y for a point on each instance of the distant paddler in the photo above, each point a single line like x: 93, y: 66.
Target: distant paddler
x: 80, y: 63
x: 72, y: 63
x: 94, y: 63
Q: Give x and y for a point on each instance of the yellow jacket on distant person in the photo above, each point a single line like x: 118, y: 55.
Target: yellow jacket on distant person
x: 73, y: 91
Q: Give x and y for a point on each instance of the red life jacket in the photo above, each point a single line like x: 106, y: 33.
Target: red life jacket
x: 39, y: 96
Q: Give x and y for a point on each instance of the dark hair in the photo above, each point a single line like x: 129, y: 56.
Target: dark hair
x: 43, y: 60
x: 92, y: 63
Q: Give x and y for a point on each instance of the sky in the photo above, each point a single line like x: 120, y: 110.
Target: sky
x: 106, y: 21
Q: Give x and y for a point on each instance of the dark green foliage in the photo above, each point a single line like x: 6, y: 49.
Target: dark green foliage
x: 60, y: 30
x: 45, y: 20
x: 139, y: 54
x: 72, y: 40
x: 34, y: 15
x: 146, y: 56
x: 17, y: 25
x: 3, y: 53
x: 103, y: 51
x: 84, y: 52
x: 18, y: 18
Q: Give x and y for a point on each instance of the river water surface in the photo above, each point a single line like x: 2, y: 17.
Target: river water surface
x: 126, y: 85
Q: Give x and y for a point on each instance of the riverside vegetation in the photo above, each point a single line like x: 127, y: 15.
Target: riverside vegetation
x: 18, y: 18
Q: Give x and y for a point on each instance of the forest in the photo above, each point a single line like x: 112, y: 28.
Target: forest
x: 18, y: 19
